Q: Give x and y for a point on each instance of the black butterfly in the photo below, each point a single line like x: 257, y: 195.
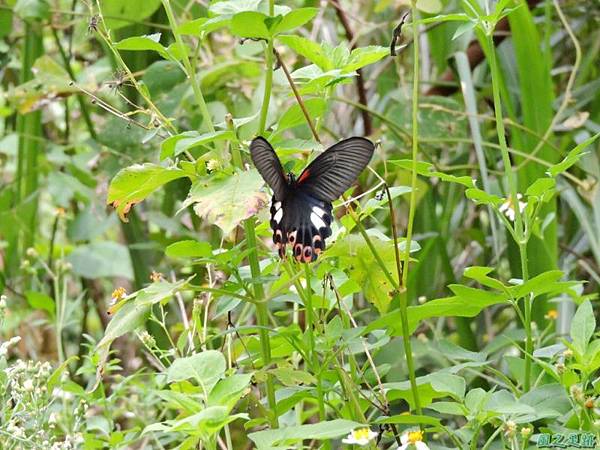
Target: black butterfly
x: 301, y: 208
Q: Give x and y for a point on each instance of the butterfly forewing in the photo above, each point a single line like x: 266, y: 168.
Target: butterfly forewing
x: 336, y: 169
x: 266, y: 161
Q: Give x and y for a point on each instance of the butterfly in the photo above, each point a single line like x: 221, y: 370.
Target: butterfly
x: 301, y: 207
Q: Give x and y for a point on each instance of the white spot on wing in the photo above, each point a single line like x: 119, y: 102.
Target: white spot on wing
x: 317, y: 221
x: 318, y: 211
x: 277, y: 205
x: 278, y: 215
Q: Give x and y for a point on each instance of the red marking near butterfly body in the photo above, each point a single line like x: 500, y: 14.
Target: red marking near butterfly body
x: 304, y: 176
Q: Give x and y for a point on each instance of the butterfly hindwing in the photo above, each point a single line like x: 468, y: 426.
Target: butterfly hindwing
x: 303, y: 222
x: 266, y: 161
x: 334, y: 170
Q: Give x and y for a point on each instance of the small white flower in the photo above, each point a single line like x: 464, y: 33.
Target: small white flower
x: 413, y: 439
x: 509, y: 209
x: 360, y: 436
x: 2, y: 301
x: 28, y: 385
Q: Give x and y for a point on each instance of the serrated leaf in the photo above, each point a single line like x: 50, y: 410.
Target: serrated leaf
x: 312, y: 51
x: 134, y: 183
x: 226, y: 202
x: 363, y: 56
x: 294, y: 115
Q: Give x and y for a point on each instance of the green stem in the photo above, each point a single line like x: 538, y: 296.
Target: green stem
x: 189, y: 68
x: 519, y: 231
x: 403, y: 291
x: 261, y: 306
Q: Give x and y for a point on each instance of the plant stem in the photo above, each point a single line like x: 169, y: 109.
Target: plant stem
x: 189, y: 68
x: 519, y: 232
x: 403, y: 290
x: 262, y: 315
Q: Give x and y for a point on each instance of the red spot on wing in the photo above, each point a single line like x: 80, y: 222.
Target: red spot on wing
x: 304, y: 176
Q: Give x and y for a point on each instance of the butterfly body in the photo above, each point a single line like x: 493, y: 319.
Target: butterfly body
x: 301, y: 208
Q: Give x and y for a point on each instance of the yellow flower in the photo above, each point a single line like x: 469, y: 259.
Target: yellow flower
x: 413, y: 439
x: 360, y: 436
x: 156, y: 276
x: 551, y: 315
x: 118, y: 294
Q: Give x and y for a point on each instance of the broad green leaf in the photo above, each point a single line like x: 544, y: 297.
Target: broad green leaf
x: 481, y: 197
x: 434, y: 385
x: 583, y: 326
x: 101, y: 259
x: 128, y: 12
x: 129, y: 317
x: 134, y: 183
x: 179, y: 400
x: 544, y: 283
x: 290, y: 377
x: 250, y: 24
x: 269, y: 439
x: 294, y: 19
x: 363, y: 56
x: 468, y: 302
x: 354, y: 254
x: 205, y: 368
x: 189, y: 249
x: 39, y: 300
x: 541, y: 187
x: 226, y: 202
x: 229, y: 390
x: 294, y: 116
x: 158, y: 291
x: 312, y: 51
x: 480, y: 274
x: 187, y: 140
x: 202, y: 26
x: 140, y: 43
x: 572, y: 157
x: 452, y: 408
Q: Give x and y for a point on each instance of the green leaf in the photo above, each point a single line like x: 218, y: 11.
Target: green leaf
x: 229, y: 7
x: 39, y: 300
x: 290, y: 377
x: 429, y: 6
x: 294, y: 19
x: 229, y: 390
x: 189, y: 249
x: 134, y: 183
x: 541, y: 187
x: 188, y: 140
x: 101, y: 259
x: 572, y: 157
x: 206, y: 368
x: 269, y: 439
x: 583, y: 326
x: 202, y: 26
x: 483, y: 198
x: 434, y: 385
x: 226, y: 202
x: 294, y: 116
x: 141, y: 43
x: 480, y: 274
x: 312, y: 51
x: 427, y: 169
x: 250, y: 24
x: 118, y: 14
x: 363, y: 56
x: 159, y: 291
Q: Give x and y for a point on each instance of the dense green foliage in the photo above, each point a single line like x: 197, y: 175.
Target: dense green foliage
x: 144, y: 304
